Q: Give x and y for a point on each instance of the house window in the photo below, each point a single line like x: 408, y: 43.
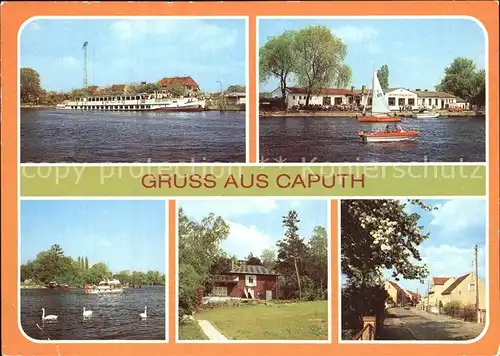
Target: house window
x: 327, y: 100
x: 391, y: 101
x: 430, y: 101
x: 472, y: 286
x: 436, y: 101
x: 401, y: 101
x: 338, y: 101
x: 411, y: 101
x: 250, y: 280
x: 293, y: 97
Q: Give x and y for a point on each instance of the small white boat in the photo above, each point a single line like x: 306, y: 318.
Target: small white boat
x: 384, y: 136
x: 427, y: 115
x: 104, y: 287
x: 63, y: 106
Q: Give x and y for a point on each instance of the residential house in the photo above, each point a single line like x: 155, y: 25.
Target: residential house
x: 397, y: 296
x: 246, y: 281
x: 296, y: 96
x: 191, y: 88
x: 438, y: 286
x: 463, y: 290
x: 93, y: 89
x: 460, y: 103
x: 434, y: 99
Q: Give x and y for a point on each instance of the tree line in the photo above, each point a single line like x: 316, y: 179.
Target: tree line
x: 53, y: 265
x: 312, y: 57
x: 32, y: 92
x: 302, y: 266
x: 377, y: 235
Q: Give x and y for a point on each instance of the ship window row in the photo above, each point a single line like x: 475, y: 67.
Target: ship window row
x: 111, y: 107
x: 118, y: 98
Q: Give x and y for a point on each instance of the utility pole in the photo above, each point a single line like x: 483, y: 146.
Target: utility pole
x: 84, y: 48
x: 477, y: 284
x: 428, y: 292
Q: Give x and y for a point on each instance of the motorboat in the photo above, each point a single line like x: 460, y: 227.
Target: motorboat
x: 427, y: 115
x: 389, y: 135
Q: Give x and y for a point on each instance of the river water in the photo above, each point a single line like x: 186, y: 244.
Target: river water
x: 306, y: 139
x: 60, y: 136
x: 114, y: 317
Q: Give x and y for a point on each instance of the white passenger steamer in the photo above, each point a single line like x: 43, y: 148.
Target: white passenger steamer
x: 135, y: 102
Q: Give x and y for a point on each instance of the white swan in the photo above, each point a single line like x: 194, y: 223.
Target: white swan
x: 87, y: 312
x: 144, y: 315
x: 48, y: 317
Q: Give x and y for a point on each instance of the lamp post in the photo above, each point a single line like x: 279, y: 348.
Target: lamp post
x: 222, y: 95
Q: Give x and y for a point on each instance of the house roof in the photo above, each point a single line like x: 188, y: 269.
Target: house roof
x: 250, y: 269
x: 454, y: 284
x: 184, y: 81
x: 327, y: 91
x: 395, y: 285
x: 432, y: 94
x: 439, y: 281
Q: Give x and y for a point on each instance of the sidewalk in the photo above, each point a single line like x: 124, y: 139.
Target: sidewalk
x: 210, y: 331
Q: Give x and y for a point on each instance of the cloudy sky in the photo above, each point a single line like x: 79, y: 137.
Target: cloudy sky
x: 125, y: 51
x: 124, y: 234
x: 256, y: 224
x: 455, y: 228
x: 416, y: 50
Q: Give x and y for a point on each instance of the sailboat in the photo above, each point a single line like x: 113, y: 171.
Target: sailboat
x: 380, y: 110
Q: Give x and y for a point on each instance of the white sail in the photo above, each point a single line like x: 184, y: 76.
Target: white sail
x: 379, y: 105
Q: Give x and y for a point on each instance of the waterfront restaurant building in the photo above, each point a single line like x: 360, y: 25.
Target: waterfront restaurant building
x: 435, y: 99
x: 399, y: 98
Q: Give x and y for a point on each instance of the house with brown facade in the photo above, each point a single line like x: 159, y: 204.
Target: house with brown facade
x: 246, y: 281
x: 187, y: 83
x: 438, y: 286
x: 399, y: 296
x: 463, y: 290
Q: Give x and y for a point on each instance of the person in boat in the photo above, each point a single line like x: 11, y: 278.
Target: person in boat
x: 387, y: 129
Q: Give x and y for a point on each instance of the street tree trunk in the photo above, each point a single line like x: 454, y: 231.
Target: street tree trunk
x: 298, y: 278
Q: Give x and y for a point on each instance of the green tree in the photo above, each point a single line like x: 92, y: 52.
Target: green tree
x: 236, y: 89
x: 176, y: 90
x: 320, y: 58
x: 253, y: 260
x: 318, y: 258
x: 344, y: 77
x: 383, y: 76
x: 277, y: 59
x: 268, y: 258
x: 86, y: 263
x: 98, y: 272
x: 462, y: 79
x: 199, y: 248
x: 30, y: 88
x: 291, y: 256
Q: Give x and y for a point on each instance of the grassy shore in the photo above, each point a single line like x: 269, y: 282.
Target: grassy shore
x: 334, y: 114
x: 269, y: 321
x: 191, y: 331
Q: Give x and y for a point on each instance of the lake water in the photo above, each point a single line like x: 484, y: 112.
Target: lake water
x: 306, y: 139
x: 49, y: 135
x: 115, y: 317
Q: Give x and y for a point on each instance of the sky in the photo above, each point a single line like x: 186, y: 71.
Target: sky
x: 455, y: 228
x: 122, y: 51
x: 124, y: 234
x: 257, y: 224
x: 416, y: 50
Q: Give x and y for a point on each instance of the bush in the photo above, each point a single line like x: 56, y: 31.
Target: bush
x: 452, y: 309
x: 455, y: 309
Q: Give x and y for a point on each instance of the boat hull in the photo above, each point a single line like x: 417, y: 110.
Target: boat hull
x: 178, y: 109
x: 379, y: 119
x: 367, y: 137
x: 112, y: 291
x: 427, y: 116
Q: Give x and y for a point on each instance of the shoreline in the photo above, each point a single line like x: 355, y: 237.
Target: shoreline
x: 353, y: 115
x: 228, y: 109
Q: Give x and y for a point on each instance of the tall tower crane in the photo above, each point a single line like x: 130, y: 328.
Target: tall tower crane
x: 84, y: 48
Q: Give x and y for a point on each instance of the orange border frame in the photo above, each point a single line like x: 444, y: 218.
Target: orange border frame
x: 14, y: 14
